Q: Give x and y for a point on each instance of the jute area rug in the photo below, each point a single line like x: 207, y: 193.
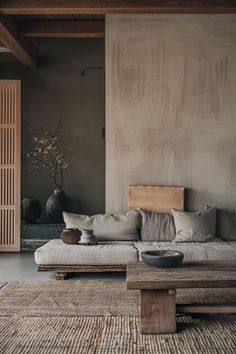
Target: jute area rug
x: 90, y: 317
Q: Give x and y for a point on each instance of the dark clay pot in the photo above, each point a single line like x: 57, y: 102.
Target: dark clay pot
x: 30, y: 209
x: 56, y: 204
x: 71, y: 236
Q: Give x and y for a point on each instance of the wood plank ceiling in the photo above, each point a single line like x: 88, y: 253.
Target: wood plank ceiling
x: 22, y: 23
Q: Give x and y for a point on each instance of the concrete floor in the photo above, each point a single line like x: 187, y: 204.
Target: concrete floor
x: 21, y: 266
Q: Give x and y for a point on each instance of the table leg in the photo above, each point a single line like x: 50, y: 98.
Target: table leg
x: 158, y: 311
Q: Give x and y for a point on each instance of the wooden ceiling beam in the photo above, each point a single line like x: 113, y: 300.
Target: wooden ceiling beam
x: 22, y: 48
x: 60, y: 7
x: 8, y: 58
x: 62, y: 29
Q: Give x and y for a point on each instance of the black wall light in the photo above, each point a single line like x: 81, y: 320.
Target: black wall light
x: 83, y: 70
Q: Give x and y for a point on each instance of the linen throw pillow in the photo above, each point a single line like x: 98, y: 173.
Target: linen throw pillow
x: 226, y: 224
x: 194, y: 227
x: 108, y: 227
x: 157, y: 226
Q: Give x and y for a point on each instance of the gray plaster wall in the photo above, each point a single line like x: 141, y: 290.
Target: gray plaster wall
x: 171, y: 106
x: 56, y: 91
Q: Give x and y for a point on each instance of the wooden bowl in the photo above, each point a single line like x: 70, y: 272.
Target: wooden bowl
x: 162, y: 258
x: 71, y: 236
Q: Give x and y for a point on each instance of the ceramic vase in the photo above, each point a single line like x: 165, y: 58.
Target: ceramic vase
x: 56, y: 204
x: 30, y: 210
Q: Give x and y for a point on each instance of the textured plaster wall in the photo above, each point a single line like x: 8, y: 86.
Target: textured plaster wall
x: 171, y: 106
x: 56, y: 91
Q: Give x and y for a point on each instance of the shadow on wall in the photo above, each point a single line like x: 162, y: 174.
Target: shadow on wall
x: 56, y: 91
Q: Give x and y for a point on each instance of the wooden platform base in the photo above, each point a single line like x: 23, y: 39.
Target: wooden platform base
x: 62, y: 271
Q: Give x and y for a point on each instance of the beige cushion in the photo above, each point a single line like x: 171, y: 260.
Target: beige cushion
x: 195, y: 251
x: 194, y: 227
x: 56, y: 252
x: 226, y: 224
x: 157, y: 226
x: 108, y: 227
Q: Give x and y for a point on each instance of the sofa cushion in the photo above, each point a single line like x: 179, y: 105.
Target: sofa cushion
x: 56, y: 252
x: 157, y: 226
x: 226, y: 224
x: 207, y: 251
x: 194, y: 227
x: 108, y: 227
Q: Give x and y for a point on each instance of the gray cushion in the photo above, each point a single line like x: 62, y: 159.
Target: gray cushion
x: 157, y: 226
x: 108, y: 227
x: 226, y: 224
x: 194, y: 251
x: 56, y: 252
x: 194, y: 227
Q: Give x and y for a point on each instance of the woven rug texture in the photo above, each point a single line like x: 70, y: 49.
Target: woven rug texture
x: 90, y: 317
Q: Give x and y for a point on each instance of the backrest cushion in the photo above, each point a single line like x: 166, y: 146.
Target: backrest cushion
x: 195, y: 227
x: 157, y: 226
x: 226, y: 224
x: 108, y: 227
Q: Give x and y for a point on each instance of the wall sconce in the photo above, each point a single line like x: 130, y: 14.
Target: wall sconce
x: 83, y: 70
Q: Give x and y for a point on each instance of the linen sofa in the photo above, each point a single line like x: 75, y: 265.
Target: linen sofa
x: 122, y: 238
x: 56, y: 252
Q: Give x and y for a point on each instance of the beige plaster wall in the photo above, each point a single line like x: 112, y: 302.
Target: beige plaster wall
x: 171, y: 106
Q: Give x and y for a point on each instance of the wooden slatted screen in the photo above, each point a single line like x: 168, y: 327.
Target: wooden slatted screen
x: 9, y: 165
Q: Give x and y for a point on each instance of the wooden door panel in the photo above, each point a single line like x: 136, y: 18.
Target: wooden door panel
x: 9, y: 165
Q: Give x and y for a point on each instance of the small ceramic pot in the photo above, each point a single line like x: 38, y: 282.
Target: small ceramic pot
x: 87, y: 237
x: 71, y: 236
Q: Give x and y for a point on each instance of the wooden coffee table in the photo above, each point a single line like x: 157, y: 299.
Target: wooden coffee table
x: 158, y: 290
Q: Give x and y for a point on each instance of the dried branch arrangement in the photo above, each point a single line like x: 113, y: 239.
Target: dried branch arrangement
x: 48, y: 155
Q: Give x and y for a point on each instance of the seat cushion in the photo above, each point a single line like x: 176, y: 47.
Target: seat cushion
x: 207, y: 251
x: 108, y: 227
x: 56, y: 252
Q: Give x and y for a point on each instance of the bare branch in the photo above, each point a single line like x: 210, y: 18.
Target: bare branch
x: 39, y: 160
x: 50, y: 154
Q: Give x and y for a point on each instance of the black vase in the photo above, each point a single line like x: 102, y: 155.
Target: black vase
x: 30, y: 209
x: 56, y: 204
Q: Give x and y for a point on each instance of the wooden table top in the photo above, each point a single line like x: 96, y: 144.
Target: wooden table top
x: 197, y: 274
